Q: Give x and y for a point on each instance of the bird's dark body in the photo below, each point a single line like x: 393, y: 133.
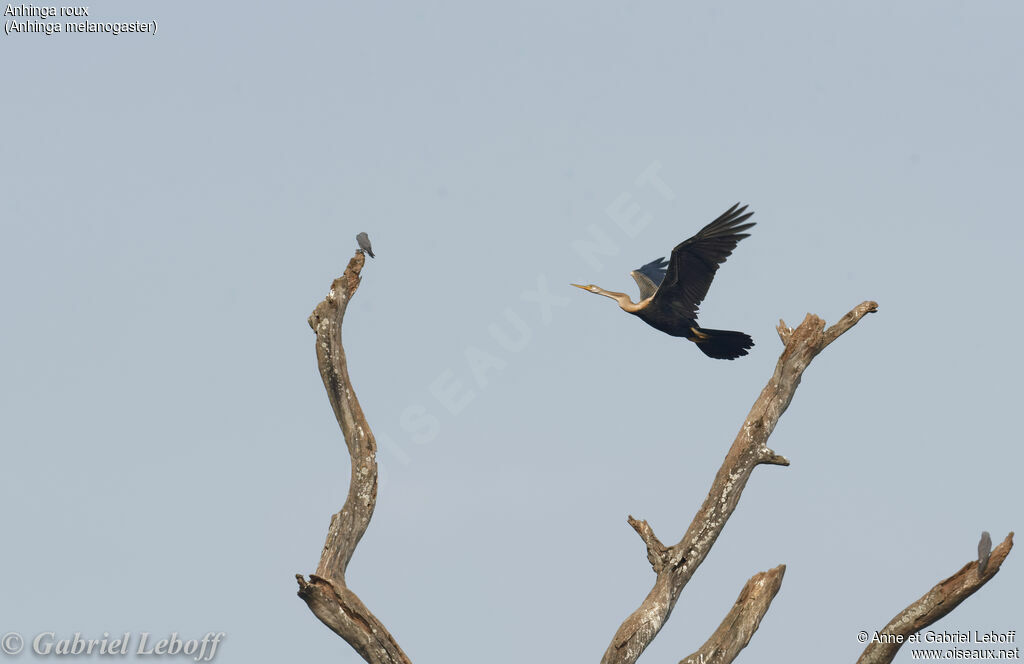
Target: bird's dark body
x: 718, y: 344
x: 667, y: 321
x: 672, y: 290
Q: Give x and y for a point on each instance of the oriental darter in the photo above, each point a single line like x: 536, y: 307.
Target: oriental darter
x: 671, y: 290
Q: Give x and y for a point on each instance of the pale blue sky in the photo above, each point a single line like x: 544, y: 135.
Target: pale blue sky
x: 175, y: 206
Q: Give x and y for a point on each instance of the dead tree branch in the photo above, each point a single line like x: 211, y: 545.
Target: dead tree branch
x: 675, y: 565
x: 742, y: 621
x: 936, y: 603
x: 326, y: 592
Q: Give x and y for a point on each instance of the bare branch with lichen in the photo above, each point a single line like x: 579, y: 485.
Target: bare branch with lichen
x: 326, y: 592
x: 749, y: 449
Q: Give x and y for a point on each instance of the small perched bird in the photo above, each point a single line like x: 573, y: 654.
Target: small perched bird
x: 671, y: 290
x: 364, y: 244
x: 984, y: 551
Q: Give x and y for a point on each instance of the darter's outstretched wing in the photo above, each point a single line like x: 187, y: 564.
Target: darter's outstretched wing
x: 694, y: 262
x: 650, y: 276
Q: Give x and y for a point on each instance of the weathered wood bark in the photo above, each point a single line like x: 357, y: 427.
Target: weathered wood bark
x: 742, y: 621
x: 326, y: 593
x: 675, y: 565
x: 936, y: 603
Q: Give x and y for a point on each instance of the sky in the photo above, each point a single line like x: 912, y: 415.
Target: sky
x: 175, y: 205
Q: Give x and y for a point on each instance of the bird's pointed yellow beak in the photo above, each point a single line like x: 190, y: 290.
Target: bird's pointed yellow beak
x: 578, y: 286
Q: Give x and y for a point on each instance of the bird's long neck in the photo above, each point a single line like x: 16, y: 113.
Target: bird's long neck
x: 624, y: 300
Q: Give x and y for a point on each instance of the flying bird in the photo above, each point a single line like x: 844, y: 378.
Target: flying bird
x: 364, y: 244
x: 671, y: 290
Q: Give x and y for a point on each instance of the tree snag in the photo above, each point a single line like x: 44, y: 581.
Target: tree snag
x: 329, y: 598
x: 676, y: 564
x: 326, y: 592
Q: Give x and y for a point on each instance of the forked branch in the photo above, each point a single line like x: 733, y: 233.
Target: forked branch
x: 676, y: 564
x: 936, y: 603
x: 326, y: 592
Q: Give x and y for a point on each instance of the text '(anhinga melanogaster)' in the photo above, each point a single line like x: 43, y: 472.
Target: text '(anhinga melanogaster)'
x: 670, y: 291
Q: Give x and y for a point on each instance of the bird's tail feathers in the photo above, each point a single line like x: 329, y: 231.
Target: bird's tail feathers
x: 723, y: 344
